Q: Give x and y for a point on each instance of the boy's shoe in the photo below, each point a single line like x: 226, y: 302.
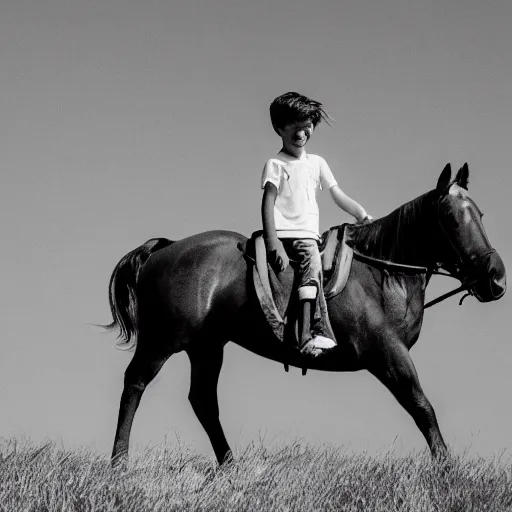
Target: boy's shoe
x: 317, y: 345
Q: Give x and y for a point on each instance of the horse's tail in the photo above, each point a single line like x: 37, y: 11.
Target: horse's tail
x: 122, y: 291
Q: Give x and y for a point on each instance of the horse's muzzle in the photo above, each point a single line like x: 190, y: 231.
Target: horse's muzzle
x: 492, y: 281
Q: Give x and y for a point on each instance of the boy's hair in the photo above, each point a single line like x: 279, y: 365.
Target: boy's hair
x: 292, y: 107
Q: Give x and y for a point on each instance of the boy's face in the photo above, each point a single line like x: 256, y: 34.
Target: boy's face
x: 295, y: 136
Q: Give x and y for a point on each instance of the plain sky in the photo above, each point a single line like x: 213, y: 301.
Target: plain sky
x: 123, y: 120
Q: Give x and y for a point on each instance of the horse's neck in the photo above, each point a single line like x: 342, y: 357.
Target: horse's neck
x: 404, y: 236
x: 413, y: 244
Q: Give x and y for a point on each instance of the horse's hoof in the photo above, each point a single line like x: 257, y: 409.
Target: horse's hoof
x: 119, y: 462
x: 442, y: 458
x: 227, y: 459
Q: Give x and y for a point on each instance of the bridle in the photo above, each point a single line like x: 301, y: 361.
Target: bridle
x: 467, y: 283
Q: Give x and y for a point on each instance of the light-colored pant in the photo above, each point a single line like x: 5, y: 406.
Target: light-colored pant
x: 307, y: 254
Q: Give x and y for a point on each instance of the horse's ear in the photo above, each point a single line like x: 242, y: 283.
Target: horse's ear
x: 444, y: 179
x: 462, y: 176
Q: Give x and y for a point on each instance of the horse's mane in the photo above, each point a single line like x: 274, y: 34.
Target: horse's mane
x: 396, y: 236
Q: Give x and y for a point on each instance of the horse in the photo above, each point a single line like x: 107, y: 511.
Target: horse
x: 196, y: 295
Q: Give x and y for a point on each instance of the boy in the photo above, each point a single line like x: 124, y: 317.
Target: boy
x: 290, y: 211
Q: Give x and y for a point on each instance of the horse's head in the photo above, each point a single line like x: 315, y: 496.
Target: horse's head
x: 468, y: 254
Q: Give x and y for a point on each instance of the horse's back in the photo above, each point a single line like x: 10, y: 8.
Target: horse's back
x: 207, y: 246
x: 200, y: 281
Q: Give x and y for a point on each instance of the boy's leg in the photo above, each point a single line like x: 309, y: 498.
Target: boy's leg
x: 313, y: 332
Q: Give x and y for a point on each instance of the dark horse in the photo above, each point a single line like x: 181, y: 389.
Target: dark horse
x: 196, y: 295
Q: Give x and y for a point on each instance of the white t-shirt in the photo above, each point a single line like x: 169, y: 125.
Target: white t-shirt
x: 297, y: 180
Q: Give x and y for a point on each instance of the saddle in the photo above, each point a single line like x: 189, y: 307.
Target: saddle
x: 277, y: 292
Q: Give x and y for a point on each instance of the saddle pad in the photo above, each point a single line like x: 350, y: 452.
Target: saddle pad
x: 263, y: 290
x: 336, y: 274
x: 274, y: 292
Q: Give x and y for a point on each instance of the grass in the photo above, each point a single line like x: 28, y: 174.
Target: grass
x: 293, y: 477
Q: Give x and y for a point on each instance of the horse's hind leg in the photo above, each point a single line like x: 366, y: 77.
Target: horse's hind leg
x: 142, y: 369
x: 205, y: 370
x: 397, y: 372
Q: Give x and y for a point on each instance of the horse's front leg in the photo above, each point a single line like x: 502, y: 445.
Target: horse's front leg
x: 395, y: 369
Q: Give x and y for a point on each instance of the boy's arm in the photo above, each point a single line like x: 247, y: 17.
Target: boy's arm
x: 348, y: 204
x: 340, y: 198
x: 275, y: 249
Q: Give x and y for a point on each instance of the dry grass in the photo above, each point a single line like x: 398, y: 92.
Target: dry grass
x: 295, y: 477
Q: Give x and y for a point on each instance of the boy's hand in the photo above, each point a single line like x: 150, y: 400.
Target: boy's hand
x: 276, y: 254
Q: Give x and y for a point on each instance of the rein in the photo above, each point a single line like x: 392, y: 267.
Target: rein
x: 410, y: 269
x: 466, y: 286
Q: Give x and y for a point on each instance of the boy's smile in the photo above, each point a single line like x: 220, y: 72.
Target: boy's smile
x: 295, y: 136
